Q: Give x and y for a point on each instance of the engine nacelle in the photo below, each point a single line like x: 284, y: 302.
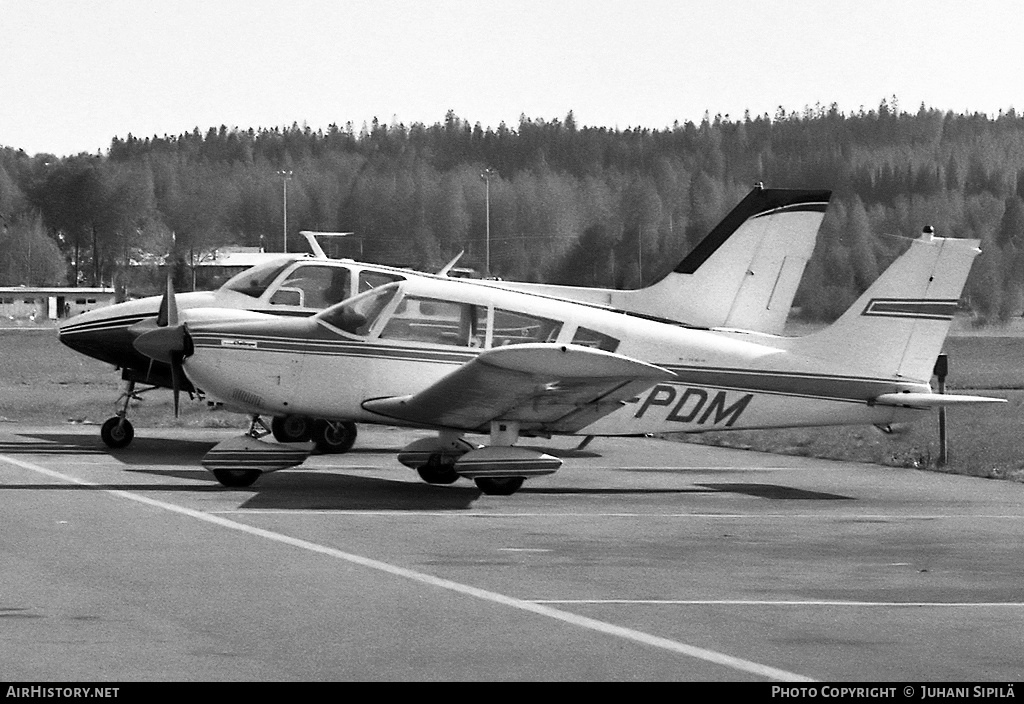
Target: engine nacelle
x: 498, y: 461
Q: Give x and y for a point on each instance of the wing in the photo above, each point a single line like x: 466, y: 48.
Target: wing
x: 547, y: 387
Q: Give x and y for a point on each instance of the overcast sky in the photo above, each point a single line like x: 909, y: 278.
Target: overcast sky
x: 76, y: 73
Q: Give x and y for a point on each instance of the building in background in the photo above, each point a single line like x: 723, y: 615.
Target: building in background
x: 39, y: 305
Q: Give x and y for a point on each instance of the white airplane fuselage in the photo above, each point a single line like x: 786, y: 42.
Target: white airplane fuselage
x: 723, y: 379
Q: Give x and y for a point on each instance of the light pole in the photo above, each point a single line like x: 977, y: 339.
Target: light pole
x: 285, y: 177
x: 486, y: 177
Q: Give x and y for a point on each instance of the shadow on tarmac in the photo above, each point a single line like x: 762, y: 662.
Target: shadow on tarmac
x: 311, y: 490
x: 143, y: 451
x: 777, y: 491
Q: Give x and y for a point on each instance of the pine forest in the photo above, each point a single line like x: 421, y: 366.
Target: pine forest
x: 591, y: 206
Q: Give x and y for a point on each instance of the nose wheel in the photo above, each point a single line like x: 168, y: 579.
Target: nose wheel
x: 117, y: 432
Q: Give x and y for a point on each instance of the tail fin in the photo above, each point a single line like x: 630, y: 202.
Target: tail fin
x: 745, y: 272
x: 896, y: 329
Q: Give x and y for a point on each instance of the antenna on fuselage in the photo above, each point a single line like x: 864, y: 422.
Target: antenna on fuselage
x: 448, y: 267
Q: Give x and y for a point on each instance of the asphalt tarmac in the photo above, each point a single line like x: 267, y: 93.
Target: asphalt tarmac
x: 640, y: 559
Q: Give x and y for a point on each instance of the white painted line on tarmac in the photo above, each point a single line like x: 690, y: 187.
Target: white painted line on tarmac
x: 346, y: 513
x: 759, y: 602
x: 692, y: 651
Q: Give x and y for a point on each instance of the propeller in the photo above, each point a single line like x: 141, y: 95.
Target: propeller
x: 167, y: 342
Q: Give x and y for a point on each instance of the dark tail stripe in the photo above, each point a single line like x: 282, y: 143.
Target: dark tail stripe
x: 934, y: 309
x: 760, y: 201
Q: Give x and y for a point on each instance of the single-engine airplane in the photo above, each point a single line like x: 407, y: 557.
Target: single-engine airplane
x: 743, y: 274
x: 466, y: 358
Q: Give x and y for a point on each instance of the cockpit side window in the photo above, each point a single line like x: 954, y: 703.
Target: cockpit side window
x: 254, y: 282
x: 437, y: 322
x: 357, y: 315
x: 313, y: 286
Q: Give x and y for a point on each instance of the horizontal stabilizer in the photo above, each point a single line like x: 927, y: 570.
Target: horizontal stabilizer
x: 918, y: 400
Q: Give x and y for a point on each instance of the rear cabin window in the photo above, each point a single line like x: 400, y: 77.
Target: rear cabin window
x: 518, y: 328
x: 313, y: 286
x: 437, y: 322
x: 372, y: 279
x: 592, y: 338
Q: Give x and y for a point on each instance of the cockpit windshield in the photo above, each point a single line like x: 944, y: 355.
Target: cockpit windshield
x: 254, y: 282
x: 357, y: 315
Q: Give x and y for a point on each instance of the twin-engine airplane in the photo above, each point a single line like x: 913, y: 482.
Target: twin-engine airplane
x: 743, y: 274
x: 466, y: 358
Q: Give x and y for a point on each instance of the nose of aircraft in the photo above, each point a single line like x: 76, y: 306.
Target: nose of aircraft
x: 98, y: 337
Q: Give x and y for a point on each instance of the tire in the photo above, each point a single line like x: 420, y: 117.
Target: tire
x: 499, y: 486
x: 117, y: 432
x: 334, y: 437
x: 236, y: 477
x: 291, y: 428
x: 435, y: 472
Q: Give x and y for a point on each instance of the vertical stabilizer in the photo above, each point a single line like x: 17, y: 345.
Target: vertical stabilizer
x: 744, y: 274
x: 896, y: 329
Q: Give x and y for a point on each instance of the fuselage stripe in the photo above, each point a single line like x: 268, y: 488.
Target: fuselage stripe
x: 833, y: 387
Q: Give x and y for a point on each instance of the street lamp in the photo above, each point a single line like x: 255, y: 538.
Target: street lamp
x: 285, y: 177
x: 486, y: 177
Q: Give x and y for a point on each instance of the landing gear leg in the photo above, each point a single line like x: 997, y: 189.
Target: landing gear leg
x: 258, y: 428
x: 503, y: 434
x: 117, y: 432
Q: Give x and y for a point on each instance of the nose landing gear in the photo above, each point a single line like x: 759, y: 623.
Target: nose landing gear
x: 117, y: 432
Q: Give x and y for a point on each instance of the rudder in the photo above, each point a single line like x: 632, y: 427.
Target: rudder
x: 897, y: 327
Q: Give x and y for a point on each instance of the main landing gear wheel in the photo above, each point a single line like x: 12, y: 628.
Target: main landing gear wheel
x: 436, y: 472
x: 117, y: 432
x: 334, y: 437
x: 291, y: 428
x: 236, y: 477
x: 499, y: 486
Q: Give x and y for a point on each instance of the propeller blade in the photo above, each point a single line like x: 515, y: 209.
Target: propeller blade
x: 168, y: 314
x: 176, y: 372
